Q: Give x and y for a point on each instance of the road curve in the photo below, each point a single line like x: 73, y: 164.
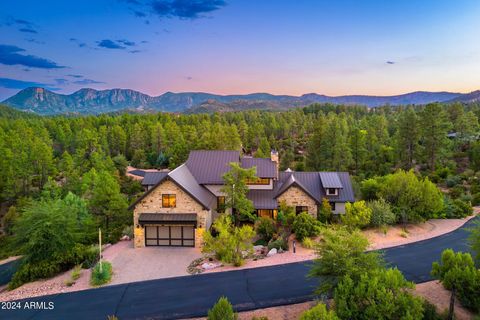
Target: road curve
x: 247, y: 289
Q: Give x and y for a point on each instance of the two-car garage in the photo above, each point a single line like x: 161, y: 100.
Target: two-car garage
x: 165, y: 235
x: 164, y: 229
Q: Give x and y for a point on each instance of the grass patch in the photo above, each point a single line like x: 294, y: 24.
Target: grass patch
x: 76, y: 272
x: 100, y: 278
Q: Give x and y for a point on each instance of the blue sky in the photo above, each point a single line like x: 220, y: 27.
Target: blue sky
x: 241, y: 46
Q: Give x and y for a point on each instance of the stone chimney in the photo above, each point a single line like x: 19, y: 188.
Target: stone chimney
x: 274, y: 158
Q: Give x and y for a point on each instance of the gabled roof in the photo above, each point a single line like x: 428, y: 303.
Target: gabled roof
x: 152, y: 178
x: 330, y: 180
x: 137, y: 172
x: 306, y: 182
x: 183, y: 178
x: 208, y: 166
x: 266, y: 168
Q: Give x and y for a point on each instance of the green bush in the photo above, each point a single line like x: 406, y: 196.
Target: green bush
x: 457, y: 270
x: 319, y: 312
x: 308, y: 243
x: 76, y: 272
x: 357, y: 214
x: 305, y: 225
x: 222, y: 310
x: 128, y: 231
x: 476, y: 199
x: 382, y: 213
x: 33, y: 271
x: 452, y: 181
x: 98, y: 277
x: 279, y: 243
x: 265, y: 228
x: 325, y: 214
x: 430, y: 311
x: 457, y: 208
x: 456, y: 192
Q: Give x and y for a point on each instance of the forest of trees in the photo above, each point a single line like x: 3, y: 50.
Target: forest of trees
x: 87, y: 155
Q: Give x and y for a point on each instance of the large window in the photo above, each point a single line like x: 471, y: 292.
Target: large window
x: 258, y: 181
x: 268, y: 213
x: 169, y: 201
x: 300, y: 209
x: 221, y: 204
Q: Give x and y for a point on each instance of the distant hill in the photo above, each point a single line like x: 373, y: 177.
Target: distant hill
x: 90, y: 101
x: 12, y: 113
x: 468, y: 97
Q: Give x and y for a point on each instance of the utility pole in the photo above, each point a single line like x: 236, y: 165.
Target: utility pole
x: 100, y: 248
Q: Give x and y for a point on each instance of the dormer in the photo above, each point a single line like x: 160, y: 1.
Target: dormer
x: 331, y: 183
x: 266, y: 172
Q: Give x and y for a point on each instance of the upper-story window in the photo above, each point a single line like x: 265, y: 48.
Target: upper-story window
x: 169, y: 200
x: 258, y: 181
x: 332, y: 191
x: 221, y: 204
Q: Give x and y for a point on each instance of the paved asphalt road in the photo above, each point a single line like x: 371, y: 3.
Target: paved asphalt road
x: 247, y: 289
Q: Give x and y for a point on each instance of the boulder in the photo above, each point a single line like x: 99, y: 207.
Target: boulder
x: 210, y: 265
x: 272, y: 252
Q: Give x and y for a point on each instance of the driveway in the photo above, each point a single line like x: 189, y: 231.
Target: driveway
x: 131, y: 265
x: 247, y: 289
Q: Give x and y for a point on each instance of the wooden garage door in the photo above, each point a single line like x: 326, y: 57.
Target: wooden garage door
x: 180, y: 236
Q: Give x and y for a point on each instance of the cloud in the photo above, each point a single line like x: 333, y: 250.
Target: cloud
x: 139, y: 14
x: 78, y: 42
x: 34, y: 41
x: 189, y: 78
x: 390, y: 62
x: 23, y: 25
x: 135, y: 51
x: 27, y: 30
x: 10, y: 55
x: 75, y: 76
x: 61, y: 81
x: 20, y: 84
x: 185, y: 9
x: 109, y: 44
x: 126, y: 42
x: 87, y: 81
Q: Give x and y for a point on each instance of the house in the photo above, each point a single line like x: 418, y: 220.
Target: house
x: 179, y: 205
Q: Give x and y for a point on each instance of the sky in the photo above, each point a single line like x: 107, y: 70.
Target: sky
x: 241, y: 46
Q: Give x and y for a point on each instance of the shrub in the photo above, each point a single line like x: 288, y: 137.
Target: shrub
x: 456, y: 192
x: 474, y: 241
x: 430, y: 311
x: 230, y: 242
x: 325, y: 214
x: 265, y: 228
x: 279, y: 243
x: 31, y: 271
x: 457, y: 270
x: 382, y: 213
x: 476, y: 199
x: 357, y: 214
x: 101, y: 277
x: 342, y: 252
x: 260, y: 318
x: 452, y: 181
x: 370, y: 189
x: 381, y: 294
x: 76, y: 272
x: 222, y: 310
x: 128, y: 231
x: 308, y: 243
x: 319, y: 312
x: 457, y: 208
x: 305, y: 225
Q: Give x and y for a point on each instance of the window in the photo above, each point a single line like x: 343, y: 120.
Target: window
x: 331, y: 191
x: 269, y: 213
x: 258, y: 181
x: 332, y: 205
x: 300, y: 209
x: 169, y: 201
x: 221, y: 204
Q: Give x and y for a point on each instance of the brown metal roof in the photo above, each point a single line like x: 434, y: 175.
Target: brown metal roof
x: 266, y: 168
x: 168, y: 218
x: 208, y: 166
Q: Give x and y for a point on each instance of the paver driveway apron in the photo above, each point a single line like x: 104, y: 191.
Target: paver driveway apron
x: 148, y: 263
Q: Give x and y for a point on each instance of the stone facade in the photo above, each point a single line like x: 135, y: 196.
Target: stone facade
x: 152, y: 203
x: 294, y: 196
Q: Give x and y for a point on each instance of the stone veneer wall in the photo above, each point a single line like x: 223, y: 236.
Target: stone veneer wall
x: 152, y: 203
x: 294, y: 196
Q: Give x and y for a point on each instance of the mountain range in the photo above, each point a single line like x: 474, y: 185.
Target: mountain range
x: 90, y: 101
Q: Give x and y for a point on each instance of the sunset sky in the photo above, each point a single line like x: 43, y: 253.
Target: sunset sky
x: 241, y: 46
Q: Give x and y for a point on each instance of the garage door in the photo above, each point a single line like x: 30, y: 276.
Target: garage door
x: 180, y: 236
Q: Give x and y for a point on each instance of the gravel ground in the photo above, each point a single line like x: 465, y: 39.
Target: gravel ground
x: 434, y: 292
x: 289, y: 312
